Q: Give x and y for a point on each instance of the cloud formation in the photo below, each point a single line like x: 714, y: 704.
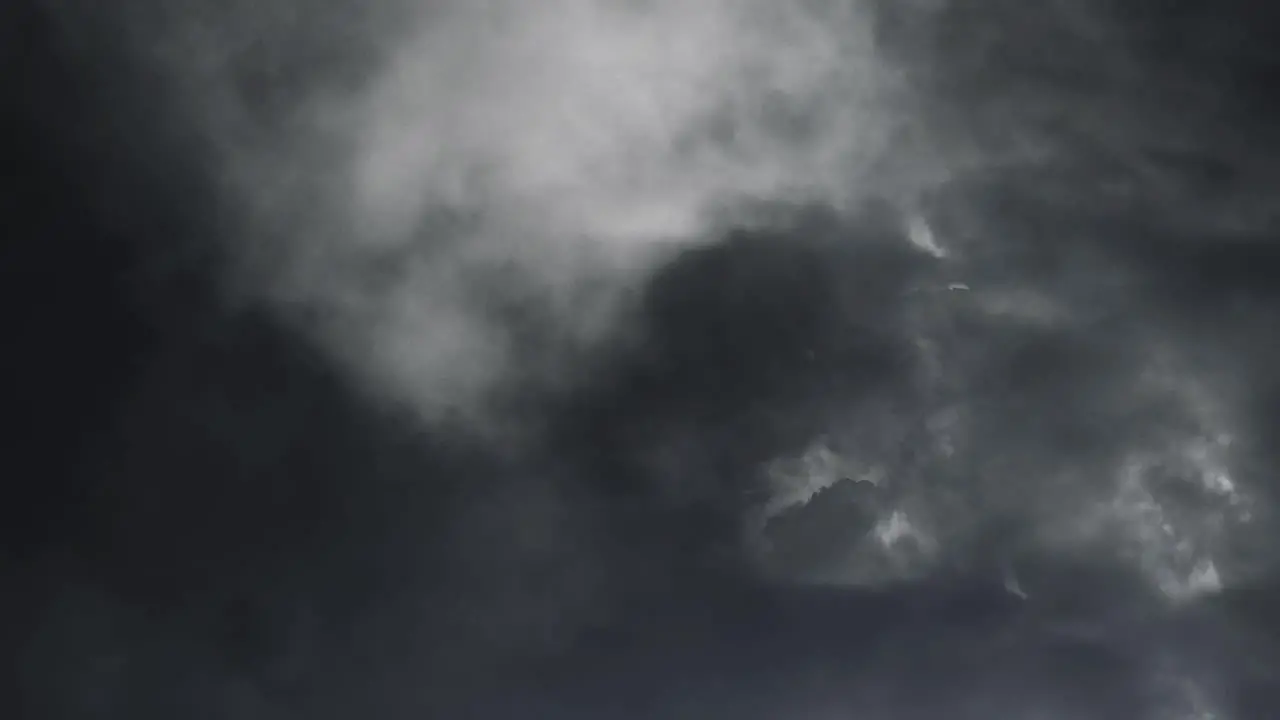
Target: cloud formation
x: 544, y: 158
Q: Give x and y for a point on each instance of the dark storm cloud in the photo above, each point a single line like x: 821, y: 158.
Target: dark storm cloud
x: 938, y: 297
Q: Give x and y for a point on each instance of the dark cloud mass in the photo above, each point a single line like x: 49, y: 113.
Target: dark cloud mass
x: 641, y: 359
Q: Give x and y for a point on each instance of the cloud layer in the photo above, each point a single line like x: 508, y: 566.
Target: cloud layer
x: 542, y: 159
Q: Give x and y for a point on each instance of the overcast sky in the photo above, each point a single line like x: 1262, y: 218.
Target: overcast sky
x: 613, y: 358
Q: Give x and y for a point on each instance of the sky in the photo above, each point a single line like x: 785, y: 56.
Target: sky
x: 641, y: 358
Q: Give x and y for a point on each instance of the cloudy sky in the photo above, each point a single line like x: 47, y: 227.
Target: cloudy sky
x: 642, y: 358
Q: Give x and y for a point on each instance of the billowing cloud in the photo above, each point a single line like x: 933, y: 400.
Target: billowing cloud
x: 503, y: 159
